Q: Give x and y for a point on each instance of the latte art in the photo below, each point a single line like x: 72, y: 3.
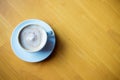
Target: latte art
x: 32, y: 37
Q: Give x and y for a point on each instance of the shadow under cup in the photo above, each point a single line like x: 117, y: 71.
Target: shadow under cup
x: 32, y: 38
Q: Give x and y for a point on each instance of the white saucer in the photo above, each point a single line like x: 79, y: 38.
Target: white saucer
x: 37, y: 56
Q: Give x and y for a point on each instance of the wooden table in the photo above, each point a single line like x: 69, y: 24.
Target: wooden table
x: 88, y: 39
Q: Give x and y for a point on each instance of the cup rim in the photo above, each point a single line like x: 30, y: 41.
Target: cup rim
x: 37, y: 49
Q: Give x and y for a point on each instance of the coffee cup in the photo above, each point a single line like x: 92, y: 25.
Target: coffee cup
x: 32, y: 38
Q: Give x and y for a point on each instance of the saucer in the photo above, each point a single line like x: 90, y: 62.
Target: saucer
x: 36, y: 56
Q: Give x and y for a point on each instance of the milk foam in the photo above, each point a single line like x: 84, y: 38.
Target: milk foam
x: 32, y: 37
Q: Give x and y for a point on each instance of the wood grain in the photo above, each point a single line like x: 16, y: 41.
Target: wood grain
x: 88, y: 39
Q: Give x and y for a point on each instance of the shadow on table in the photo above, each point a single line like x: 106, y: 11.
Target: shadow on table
x: 58, y: 47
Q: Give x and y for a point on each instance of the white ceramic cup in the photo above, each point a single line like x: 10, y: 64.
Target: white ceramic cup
x: 32, y: 38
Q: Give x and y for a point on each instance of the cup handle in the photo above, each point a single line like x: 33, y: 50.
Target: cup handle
x: 50, y: 33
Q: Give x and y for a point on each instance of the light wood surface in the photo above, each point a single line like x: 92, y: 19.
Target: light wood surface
x: 88, y: 39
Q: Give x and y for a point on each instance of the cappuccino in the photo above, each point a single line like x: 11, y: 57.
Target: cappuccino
x: 32, y: 38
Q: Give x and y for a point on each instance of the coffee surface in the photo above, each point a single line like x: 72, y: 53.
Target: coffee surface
x: 31, y: 37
